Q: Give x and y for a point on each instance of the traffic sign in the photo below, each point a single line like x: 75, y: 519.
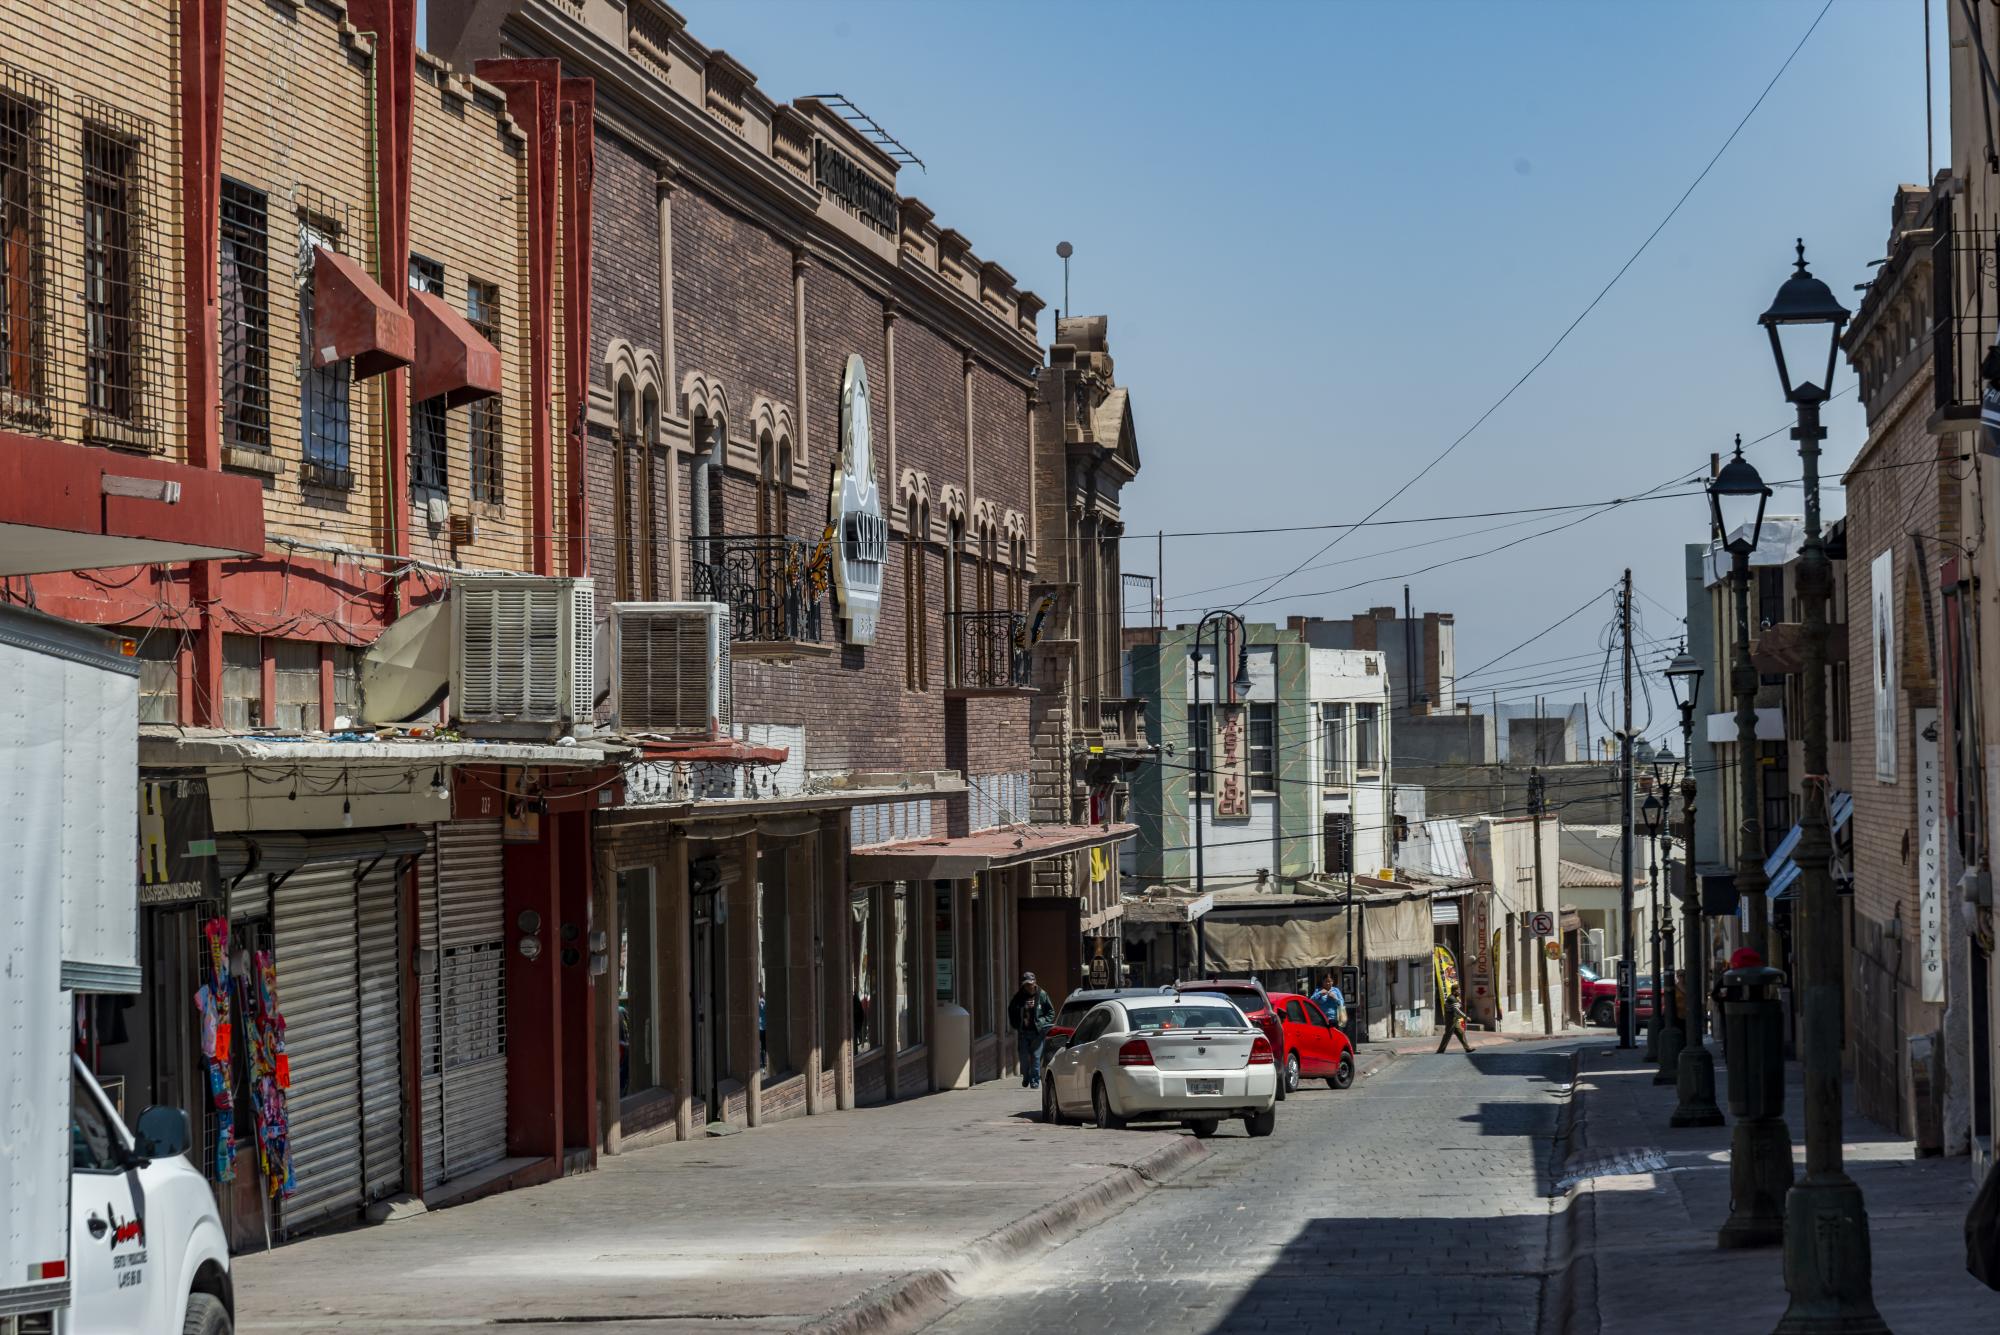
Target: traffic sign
x: 1544, y: 924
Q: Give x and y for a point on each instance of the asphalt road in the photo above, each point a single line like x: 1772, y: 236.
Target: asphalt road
x: 1415, y: 1201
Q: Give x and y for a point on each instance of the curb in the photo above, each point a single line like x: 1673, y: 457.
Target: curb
x: 911, y: 1301
x: 1569, y: 1284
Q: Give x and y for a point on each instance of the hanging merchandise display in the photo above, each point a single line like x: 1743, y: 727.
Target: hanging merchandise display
x: 270, y: 1071
x: 212, y: 1001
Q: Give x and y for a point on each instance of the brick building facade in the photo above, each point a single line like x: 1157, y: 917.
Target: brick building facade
x: 808, y: 906
x: 320, y: 315
x: 1902, y: 506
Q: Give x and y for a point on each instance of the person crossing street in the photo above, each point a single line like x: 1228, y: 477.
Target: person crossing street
x: 1031, y: 1015
x: 1454, y: 1021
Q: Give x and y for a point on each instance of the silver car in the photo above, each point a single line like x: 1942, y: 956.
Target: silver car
x: 1190, y: 1058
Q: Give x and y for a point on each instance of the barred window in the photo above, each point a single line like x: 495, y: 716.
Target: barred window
x: 23, y: 353
x: 346, y: 682
x: 1368, y: 737
x: 110, y: 305
x: 324, y: 421
x: 483, y: 419
x: 430, y: 459
x: 1336, y: 765
x: 245, y: 318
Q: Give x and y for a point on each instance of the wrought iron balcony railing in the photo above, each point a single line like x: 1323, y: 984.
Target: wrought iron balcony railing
x: 988, y: 651
x: 769, y: 584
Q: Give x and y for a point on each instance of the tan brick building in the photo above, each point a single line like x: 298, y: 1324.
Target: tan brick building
x: 268, y: 267
x: 1902, y: 519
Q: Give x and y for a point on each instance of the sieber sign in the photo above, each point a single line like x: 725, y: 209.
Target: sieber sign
x: 862, y: 545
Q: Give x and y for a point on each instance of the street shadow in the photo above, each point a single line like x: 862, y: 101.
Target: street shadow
x: 1405, y: 1274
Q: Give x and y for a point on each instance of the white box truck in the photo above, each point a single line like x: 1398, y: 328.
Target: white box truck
x: 102, y: 1228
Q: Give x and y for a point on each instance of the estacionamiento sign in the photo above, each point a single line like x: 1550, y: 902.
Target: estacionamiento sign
x: 855, y: 514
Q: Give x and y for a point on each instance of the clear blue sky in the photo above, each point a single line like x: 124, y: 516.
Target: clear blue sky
x: 1329, y: 235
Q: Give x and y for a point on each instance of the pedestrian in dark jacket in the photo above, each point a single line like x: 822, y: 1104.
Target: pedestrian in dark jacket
x: 1454, y: 1021
x: 1031, y: 1015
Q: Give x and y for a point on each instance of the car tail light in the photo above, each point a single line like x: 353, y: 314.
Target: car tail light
x: 1134, y: 1052
x: 1260, y: 1051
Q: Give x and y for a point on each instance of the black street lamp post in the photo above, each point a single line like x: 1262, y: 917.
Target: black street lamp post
x: 1694, y: 1075
x: 1827, y: 1255
x: 1666, y: 994
x: 1760, y: 1145
x: 1241, y: 686
x: 1651, y: 812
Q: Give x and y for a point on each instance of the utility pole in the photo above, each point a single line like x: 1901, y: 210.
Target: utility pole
x: 1626, y: 964
x: 1535, y: 804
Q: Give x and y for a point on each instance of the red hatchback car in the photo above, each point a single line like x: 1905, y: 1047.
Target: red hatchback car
x: 1314, y: 1048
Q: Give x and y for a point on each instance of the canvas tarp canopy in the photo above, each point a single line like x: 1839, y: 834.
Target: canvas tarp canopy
x: 1312, y: 936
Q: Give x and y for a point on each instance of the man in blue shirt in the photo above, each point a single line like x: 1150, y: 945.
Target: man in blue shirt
x: 1330, y: 1001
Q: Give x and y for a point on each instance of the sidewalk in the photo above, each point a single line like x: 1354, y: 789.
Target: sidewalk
x: 1649, y: 1199
x: 851, y: 1221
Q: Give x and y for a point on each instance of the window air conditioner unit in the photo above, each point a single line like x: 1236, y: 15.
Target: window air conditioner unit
x: 670, y: 667
x: 523, y: 654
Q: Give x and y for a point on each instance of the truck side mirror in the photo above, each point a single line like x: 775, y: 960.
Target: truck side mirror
x: 161, y: 1133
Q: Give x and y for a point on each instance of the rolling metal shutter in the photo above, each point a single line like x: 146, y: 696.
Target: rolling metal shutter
x: 315, y: 934
x: 463, y: 1005
x: 380, y: 971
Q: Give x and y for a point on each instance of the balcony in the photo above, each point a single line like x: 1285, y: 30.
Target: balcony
x: 774, y: 596
x: 986, y: 654
x: 1123, y: 723
x: 1965, y: 311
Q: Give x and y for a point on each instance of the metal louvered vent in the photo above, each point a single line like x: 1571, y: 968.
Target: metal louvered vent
x: 523, y: 654
x: 672, y: 668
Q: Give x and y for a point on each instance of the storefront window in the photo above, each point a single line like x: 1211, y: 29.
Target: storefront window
x: 947, y: 957
x: 861, y: 949
x: 638, y: 983
x: 774, y: 995
x: 977, y: 980
x: 909, y: 967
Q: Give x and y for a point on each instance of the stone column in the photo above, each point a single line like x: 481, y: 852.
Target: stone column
x: 803, y: 904
x: 888, y: 1001
x: 836, y: 959
x: 676, y: 967
x: 745, y: 905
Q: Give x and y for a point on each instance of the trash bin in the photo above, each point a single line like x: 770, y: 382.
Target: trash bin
x: 1754, y: 1016
x: 951, y: 1048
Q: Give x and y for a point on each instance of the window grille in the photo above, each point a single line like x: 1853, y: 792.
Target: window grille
x: 1263, y: 748
x: 245, y: 318
x: 30, y: 372
x: 430, y: 460
x: 158, y: 654
x: 484, y: 418
x: 80, y: 259
x: 325, y: 418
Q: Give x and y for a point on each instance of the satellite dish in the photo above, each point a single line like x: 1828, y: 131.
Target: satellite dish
x: 407, y: 671
x: 1064, y: 249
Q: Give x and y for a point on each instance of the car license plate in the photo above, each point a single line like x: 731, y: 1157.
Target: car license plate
x: 1204, y: 1087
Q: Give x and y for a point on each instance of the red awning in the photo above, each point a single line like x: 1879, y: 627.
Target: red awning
x: 354, y: 318
x: 454, y: 362
x: 957, y: 857
x: 77, y: 507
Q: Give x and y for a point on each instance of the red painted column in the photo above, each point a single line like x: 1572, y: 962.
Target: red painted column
x: 579, y: 165
x: 201, y: 47
x: 534, y: 1030
x: 394, y: 23
x: 532, y: 88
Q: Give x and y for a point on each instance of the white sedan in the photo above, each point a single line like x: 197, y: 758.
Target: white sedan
x: 1191, y: 1058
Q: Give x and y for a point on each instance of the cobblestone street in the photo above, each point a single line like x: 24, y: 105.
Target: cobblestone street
x: 1412, y: 1202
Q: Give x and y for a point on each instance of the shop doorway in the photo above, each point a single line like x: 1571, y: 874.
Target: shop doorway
x: 1051, y: 943
x: 707, y: 940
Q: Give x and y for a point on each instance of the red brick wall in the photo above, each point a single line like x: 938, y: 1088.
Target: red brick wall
x: 733, y: 303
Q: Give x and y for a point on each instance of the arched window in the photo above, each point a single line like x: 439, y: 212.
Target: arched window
x: 622, y: 525
x: 774, y: 480
x: 954, y: 601
x: 649, y: 526
x: 916, y: 610
x: 1017, y: 577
